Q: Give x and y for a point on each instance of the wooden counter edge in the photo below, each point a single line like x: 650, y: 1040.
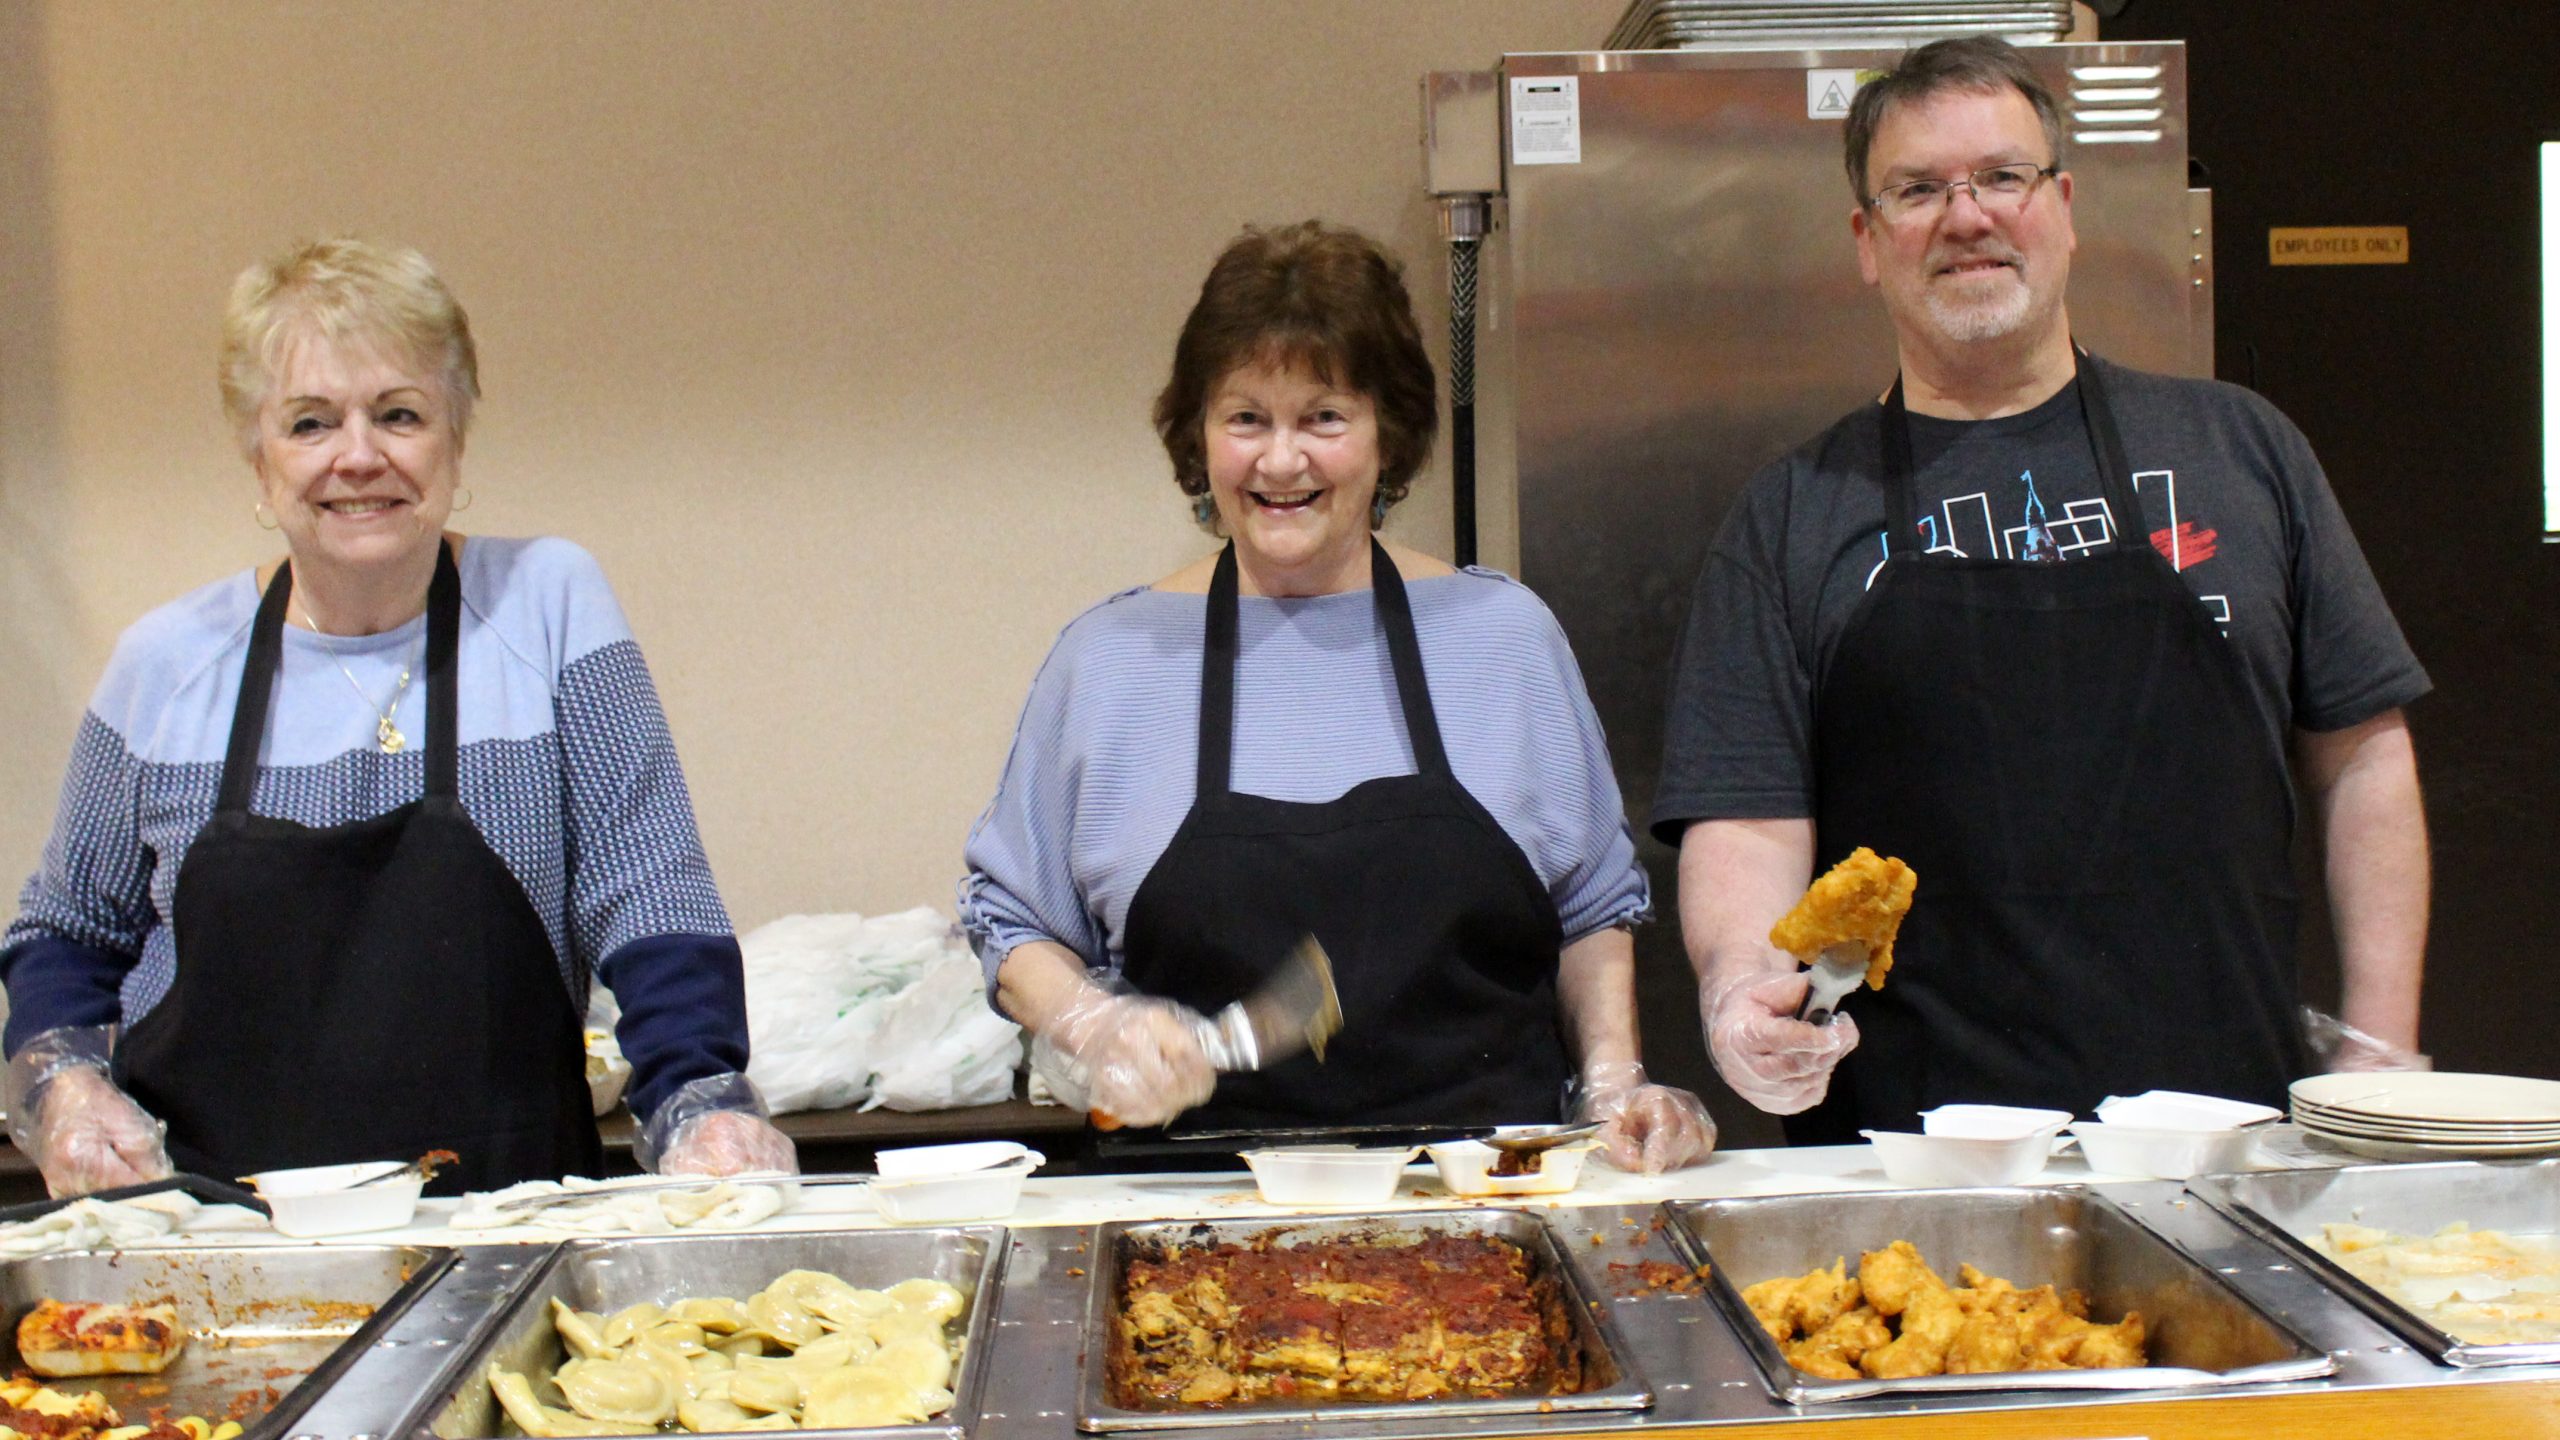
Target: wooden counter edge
x: 2470, y: 1409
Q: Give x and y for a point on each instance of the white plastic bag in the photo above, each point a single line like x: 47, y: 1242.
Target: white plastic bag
x: 891, y: 1010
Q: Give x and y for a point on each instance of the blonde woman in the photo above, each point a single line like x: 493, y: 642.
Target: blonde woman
x: 344, y: 838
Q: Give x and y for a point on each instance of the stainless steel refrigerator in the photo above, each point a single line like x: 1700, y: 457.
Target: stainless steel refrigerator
x: 1671, y: 299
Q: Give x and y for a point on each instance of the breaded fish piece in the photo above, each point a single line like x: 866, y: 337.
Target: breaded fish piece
x: 1894, y: 1276
x: 1860, y: 901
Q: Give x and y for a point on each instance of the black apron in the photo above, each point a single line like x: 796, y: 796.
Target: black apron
x: 369, y: 991
x: 1444, y: 941
x: 2066, y: 754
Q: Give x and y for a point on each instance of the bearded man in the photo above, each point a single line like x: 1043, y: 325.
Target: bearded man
x: 2062, y: 635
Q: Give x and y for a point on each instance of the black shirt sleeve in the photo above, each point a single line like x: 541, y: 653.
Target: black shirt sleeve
x: 1737, y: 743
x: 2350, y: 661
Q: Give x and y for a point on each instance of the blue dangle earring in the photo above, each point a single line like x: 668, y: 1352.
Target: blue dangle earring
x: 1204, y: 509
x: 1378, y: 513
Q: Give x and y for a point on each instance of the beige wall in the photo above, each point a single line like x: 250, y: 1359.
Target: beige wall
x: 830, y: 327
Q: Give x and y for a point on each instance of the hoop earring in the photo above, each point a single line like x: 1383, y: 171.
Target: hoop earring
x: 462, y: 498
x: 265, y: 517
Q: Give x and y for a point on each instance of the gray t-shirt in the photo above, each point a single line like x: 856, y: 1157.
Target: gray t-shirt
x: 2230, y: 494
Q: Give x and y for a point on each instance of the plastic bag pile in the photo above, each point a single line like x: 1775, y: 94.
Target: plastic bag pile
x: 887, y: 1011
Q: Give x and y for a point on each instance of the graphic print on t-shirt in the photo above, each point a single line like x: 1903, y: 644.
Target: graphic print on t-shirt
x: 2032, y: 541
x: 1964, y: 527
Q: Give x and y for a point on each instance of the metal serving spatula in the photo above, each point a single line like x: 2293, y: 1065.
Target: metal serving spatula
x: 1295, y: 1010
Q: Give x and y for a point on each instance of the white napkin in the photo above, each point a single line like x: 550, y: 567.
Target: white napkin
x: 605, y: 1211
x: 114, y: 1224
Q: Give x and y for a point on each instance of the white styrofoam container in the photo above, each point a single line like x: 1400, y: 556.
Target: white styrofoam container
x: 1329, y: 1174
x: 938, y: 1184
x: 1970, y: 1145
x: 2163, y: 1153
x: 1466, y: 1167
x: 322, y: 1200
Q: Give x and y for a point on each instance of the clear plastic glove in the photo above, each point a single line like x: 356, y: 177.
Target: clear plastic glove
x: 1771, y: 1059
x: 2338, y: 1047
x: 1646, y: 1128
x: 64, y: 1112
x: 1129, y: 1059
x: 714, y: 1126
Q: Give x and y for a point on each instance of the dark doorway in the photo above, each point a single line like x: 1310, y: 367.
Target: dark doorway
x: 2420, y: 386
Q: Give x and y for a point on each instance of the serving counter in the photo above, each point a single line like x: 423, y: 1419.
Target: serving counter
x: 1701, y: 1373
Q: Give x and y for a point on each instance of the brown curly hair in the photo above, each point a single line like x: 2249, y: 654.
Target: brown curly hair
x: 1311, y: 296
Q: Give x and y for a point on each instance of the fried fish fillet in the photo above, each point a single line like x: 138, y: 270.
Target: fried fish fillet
x: 1861, y: 901
x: 1897, y: 1319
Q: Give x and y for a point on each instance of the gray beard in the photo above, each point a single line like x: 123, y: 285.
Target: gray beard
x: 1993, y: 317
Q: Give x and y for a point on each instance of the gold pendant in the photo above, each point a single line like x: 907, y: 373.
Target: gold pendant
x: 389, y: 736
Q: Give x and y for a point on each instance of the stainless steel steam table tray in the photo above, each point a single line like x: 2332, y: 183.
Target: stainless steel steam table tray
x: 606, y: 1275
x: 1613, y: 1381
x: 2289, y: 1207
x: 2202, y: 1332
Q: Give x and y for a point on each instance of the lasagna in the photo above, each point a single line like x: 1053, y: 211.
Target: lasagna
x: 56, y: 1340
x: 1338, y: 1321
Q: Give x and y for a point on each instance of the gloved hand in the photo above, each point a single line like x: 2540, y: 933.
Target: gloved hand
x: 2340, y: 1047
x: 1647, y: 1128
x: 1130, y: 1059
x: 714, y: 1125
x: 89, y: 1135
x: 729, y: 1142
x: 1776, y: 1062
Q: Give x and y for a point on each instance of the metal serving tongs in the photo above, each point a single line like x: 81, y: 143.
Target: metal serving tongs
x: 424, y: 1167
x: 1838, y: 970
x: 610, y: 1191
x: 1522, y: 1144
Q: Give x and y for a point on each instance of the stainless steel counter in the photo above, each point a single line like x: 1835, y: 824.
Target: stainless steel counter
x: 1698, y: 1368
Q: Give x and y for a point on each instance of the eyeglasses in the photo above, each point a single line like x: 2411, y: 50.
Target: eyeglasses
x: 2001, y: 189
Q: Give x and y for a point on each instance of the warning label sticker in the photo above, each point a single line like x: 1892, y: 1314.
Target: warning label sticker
x: 1827, y: 93
x: 1546, y: 120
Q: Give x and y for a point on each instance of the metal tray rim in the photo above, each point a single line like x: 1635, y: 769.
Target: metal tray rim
x: 1632, y: 1392
x: 2310, y: 1362
x: 2449, y: 1349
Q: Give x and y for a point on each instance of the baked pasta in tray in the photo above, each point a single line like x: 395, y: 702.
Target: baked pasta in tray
x: 1348, y: 1321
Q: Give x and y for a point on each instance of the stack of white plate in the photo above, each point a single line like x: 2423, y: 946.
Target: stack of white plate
x: 2423, y: 1115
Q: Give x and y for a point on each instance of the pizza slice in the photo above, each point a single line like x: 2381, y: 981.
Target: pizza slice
x: 57, y: 1340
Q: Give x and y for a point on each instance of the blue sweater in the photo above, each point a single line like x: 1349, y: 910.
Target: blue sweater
x: 566, y: 767
x: 1104, y: 761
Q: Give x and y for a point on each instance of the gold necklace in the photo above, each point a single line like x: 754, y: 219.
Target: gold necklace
x: 385, y: 733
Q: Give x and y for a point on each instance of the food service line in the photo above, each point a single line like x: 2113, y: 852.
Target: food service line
x: 1700, y: 1373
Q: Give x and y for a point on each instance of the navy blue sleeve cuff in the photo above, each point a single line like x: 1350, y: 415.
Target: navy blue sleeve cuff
x: 55, y: 982
x: 684, y: 1012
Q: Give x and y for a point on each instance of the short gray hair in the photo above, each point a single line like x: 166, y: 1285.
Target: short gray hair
x: 1981, y: 64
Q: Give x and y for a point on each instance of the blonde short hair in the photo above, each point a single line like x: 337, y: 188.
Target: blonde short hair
x: 348, y: 291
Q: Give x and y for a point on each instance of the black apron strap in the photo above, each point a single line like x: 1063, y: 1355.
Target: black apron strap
x: 1901, y: 500
x: 2106, y: 444
x: 1404, y: 651
x: 257, y: 683
x: 1218, y: 678
x: 1218, y: 670
x: 444, y: 631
